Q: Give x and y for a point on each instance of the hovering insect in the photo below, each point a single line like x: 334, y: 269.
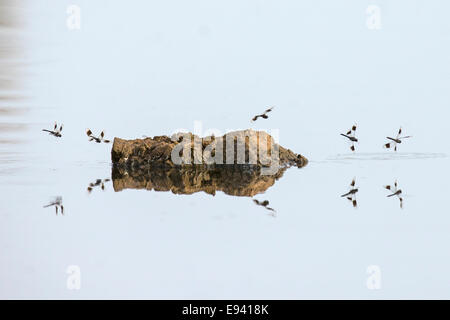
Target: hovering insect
x: 98, y: 139
x: 98, y: 182
x: 395, y: 191
x: 57, y: 203
x: 351, y: 194
x: 264, y: 204
x: 396, y: 140
x: 263, y: 115
x: 350, y: 135
x: 56, y: 131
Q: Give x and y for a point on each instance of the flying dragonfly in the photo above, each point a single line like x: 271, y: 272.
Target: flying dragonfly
x: 98, y: 182
x: 56, y: 131
x: 57, y: 203
x: 350, y: 135
x: 98, y: 139
x: 264, y: 204
x: 263, y: 115
x: 351, y: 194
x: 395, y: 191
x: 395, y: 140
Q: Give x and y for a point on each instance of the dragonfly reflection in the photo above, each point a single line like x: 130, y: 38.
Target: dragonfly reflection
x: 98, y: 183
x: 395, y: 191
x: 57, y: 203
x: 351, y: 194
x: 265, y: 204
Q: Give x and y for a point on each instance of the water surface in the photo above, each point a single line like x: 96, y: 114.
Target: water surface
x: 147, y: 69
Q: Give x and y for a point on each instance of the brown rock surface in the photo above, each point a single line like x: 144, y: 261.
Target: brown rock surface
x: 157, y: 151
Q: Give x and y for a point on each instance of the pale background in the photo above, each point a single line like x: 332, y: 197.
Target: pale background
x: 149, y: 67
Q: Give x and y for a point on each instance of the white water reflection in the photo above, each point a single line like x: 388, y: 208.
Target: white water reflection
x: 386, y: 156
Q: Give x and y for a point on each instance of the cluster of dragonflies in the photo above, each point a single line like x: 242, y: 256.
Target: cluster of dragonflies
x: 391, y: 144
x: 353, y: 190
x: 56, y: 132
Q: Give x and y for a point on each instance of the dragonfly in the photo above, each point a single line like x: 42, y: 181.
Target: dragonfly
x: 351, y: 194
x: 57, y: 203
x: 398, y: 139
x: 264, y: 204
x: 263, y: 115
x: 395, y: 192
x: 98, y: 182
x: 350, y: 135
x: 98, y: 139
x: 56, y: 131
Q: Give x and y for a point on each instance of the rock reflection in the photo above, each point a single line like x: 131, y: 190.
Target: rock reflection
x: 235, y: 180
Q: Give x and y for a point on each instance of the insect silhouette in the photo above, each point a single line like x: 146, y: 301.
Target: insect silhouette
x: 56, y: 131
x: 395, y: 141
x: 57, y: 203
x: 263, y: 115
x: 264, y: 204
x: 98, y: 139
x: 350, y: 135
x: 351, y: 194
x: 98, y: 182
x: 395, y: 191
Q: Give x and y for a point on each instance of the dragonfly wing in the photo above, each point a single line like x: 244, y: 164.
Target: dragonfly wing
x: 395, y: 187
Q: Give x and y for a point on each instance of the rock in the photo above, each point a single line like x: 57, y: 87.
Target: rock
x: 239, y: 147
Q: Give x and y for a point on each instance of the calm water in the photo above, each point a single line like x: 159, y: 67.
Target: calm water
x: 146, y: 69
